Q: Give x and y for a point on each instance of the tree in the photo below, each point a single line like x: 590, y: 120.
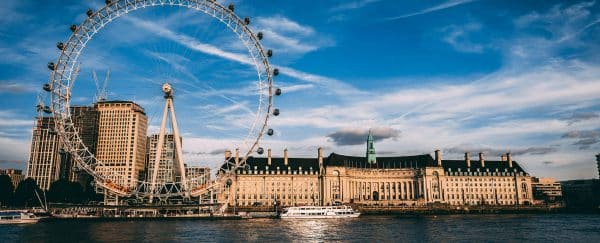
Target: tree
x: 64, y: 191
x: 25, y: 193
x: 6, y: 190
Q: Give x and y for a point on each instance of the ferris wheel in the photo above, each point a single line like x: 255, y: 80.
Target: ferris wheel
x: 66, y: 68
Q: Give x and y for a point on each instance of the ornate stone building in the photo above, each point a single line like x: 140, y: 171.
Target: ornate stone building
x: 395, y: 181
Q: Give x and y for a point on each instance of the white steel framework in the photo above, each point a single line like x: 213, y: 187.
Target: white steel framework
x: 64, y: 72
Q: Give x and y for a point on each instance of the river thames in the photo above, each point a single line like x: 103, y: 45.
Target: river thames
x: 444, y: 228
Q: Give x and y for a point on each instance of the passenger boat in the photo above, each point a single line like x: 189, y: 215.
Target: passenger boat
x: 17, y: 217
x: 319, y: 212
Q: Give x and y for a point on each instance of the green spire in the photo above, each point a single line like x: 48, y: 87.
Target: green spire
x: 371, y: 158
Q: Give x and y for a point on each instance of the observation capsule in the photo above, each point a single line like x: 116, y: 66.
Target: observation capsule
x: 278, y: 91
x: 270, y: 132
x: 47, y: 109
x: 231, y: 7
x: 60, y: 46
x: 89, y: 13
x: 260, y: 150
x: 47, y: 87
x: 259, y: 35
x: 73, y: 28
x: 108, y: 2
x: 51, y: 66
x: 39, y: 107
x: 276, y: 112
x: 275, y: 72
x: 247, y: 21
x: 269, y: 53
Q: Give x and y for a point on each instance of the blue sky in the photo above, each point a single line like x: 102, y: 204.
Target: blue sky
x: 456, y: 75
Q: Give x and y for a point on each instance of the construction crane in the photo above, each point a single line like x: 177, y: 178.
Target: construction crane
x: 100, y: 90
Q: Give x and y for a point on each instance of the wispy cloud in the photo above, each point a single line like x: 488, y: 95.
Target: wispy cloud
x: 445, y: 5
x: 16, y: 87
x: 335, y: 86
x: 286, y: 36
x: 459, y: 37
x: 352, y: 5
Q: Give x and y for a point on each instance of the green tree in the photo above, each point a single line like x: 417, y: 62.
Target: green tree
x: 6, y: 191
x: 25, y: 193
x: 64, y: 191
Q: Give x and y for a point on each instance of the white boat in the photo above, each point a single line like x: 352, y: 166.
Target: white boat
x: 319, y: 212
x: 17, y: 217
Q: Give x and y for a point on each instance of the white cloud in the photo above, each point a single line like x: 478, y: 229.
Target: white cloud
x: 286, y: 36
x: 335, y: 86
x: 445, y: 5
x: 459, y: 37
x: 16, y: 87
x: 350, y: 5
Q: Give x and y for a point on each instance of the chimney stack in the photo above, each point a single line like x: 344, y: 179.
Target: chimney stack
x: 503, y: 158
x: 269, y: 156
x: 237, y: 156
x: 468, y: 159
x: 227, y: 154
x: 285, y: 156
x: 481, y: 159
x: 438, y: 157
x: 509, y: 159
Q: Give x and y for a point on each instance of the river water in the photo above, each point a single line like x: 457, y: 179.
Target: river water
x: 444, y: 228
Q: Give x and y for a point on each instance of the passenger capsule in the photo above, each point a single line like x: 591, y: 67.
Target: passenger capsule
x: 276, y: 112
x: 60, y: 46
x: 51, y: 66
x: 269, y: 53
x: 39, y: 107
x: 89, y: 13
x: 260, y: 150
x: 108, y: 2
x: 270, y: 132
x: 259, y: 35
x: 278, y: 92
x: 47, y: 87
x: 246, y: 21
x: 47, y: 109
x: 73, y: 28
x: 275, y: 72
x: 231, y: 7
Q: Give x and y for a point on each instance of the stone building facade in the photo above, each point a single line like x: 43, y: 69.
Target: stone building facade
x: 395, y: 181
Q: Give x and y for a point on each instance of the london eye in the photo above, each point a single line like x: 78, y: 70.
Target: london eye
x: 64, y: 73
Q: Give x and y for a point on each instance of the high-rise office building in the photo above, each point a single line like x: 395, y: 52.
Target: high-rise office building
x: 45, y: 161
x: 121, y: 147
x: 165, y: 172
x: 197, y: 175
x: 598, y: 162
x: 85, y: 120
